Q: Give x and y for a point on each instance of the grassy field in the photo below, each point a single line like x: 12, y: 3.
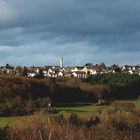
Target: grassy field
x: 4, y: 121
x: 136, y: 102
x: 87, y: 109
x: 81, y: 110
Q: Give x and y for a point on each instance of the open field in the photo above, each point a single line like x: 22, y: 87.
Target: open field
x: 4, y: 121
x: 87, y: 109
x: 136, y: 102
x: 82, y: 111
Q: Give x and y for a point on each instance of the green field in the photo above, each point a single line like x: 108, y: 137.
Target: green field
x: 81, y: 110
x: 4, y: 121
x: 136, y: 102
x: 88, y: 109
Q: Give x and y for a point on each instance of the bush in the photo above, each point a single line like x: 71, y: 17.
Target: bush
x: 125, y: 106
x: 35, y: 128
x: 3, y: 134
x: 74, y: 119
x: 121, y: 116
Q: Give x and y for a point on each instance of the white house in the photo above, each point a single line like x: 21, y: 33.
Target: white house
x: 130, y: 72
x: 89, y: 70
x: 77, y: 68
x: 79, y: 74
x: 93, y: 72
x: 45, y: 73
x: 60, y: 74
x: 31, y: 74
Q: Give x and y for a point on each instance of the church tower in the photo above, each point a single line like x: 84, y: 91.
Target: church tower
x: 61, y: 62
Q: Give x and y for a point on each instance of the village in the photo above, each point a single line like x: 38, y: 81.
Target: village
x: 69, y: 71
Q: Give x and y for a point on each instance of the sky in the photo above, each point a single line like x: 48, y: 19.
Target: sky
x: 39, y: 32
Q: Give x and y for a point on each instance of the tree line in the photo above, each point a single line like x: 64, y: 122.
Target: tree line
x: 21, y: 96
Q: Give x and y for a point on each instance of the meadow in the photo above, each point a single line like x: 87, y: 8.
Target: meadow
x: 82, y: 110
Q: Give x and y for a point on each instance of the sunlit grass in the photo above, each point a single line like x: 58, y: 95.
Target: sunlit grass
x: 4, y: 121
x: 136, y: 102
x: 82, y: 111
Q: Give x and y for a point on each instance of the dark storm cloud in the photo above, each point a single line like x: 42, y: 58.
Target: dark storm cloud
x: 81, y: 31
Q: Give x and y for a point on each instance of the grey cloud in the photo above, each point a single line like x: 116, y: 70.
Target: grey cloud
x: 91, y: 30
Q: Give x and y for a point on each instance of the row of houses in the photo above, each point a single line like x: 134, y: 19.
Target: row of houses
x: 70, y: 71
x: 56, y: 71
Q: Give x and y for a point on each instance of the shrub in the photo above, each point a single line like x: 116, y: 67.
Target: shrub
x: 121, y: 116
x: 126, y: 106
x: 34, y: 128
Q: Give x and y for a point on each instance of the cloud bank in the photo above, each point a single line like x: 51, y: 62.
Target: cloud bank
x: 39, y: 32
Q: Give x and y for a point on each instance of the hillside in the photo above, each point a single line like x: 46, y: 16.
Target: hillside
x: 20, y: 95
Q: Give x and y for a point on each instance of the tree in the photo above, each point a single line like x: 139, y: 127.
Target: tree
x: 102, y: 65
x: 101, y: 91
x: 7, y: 66
x: 24, y: 71
x: 40, y: 75
x: 116, y: 68
x: 18, y: 70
